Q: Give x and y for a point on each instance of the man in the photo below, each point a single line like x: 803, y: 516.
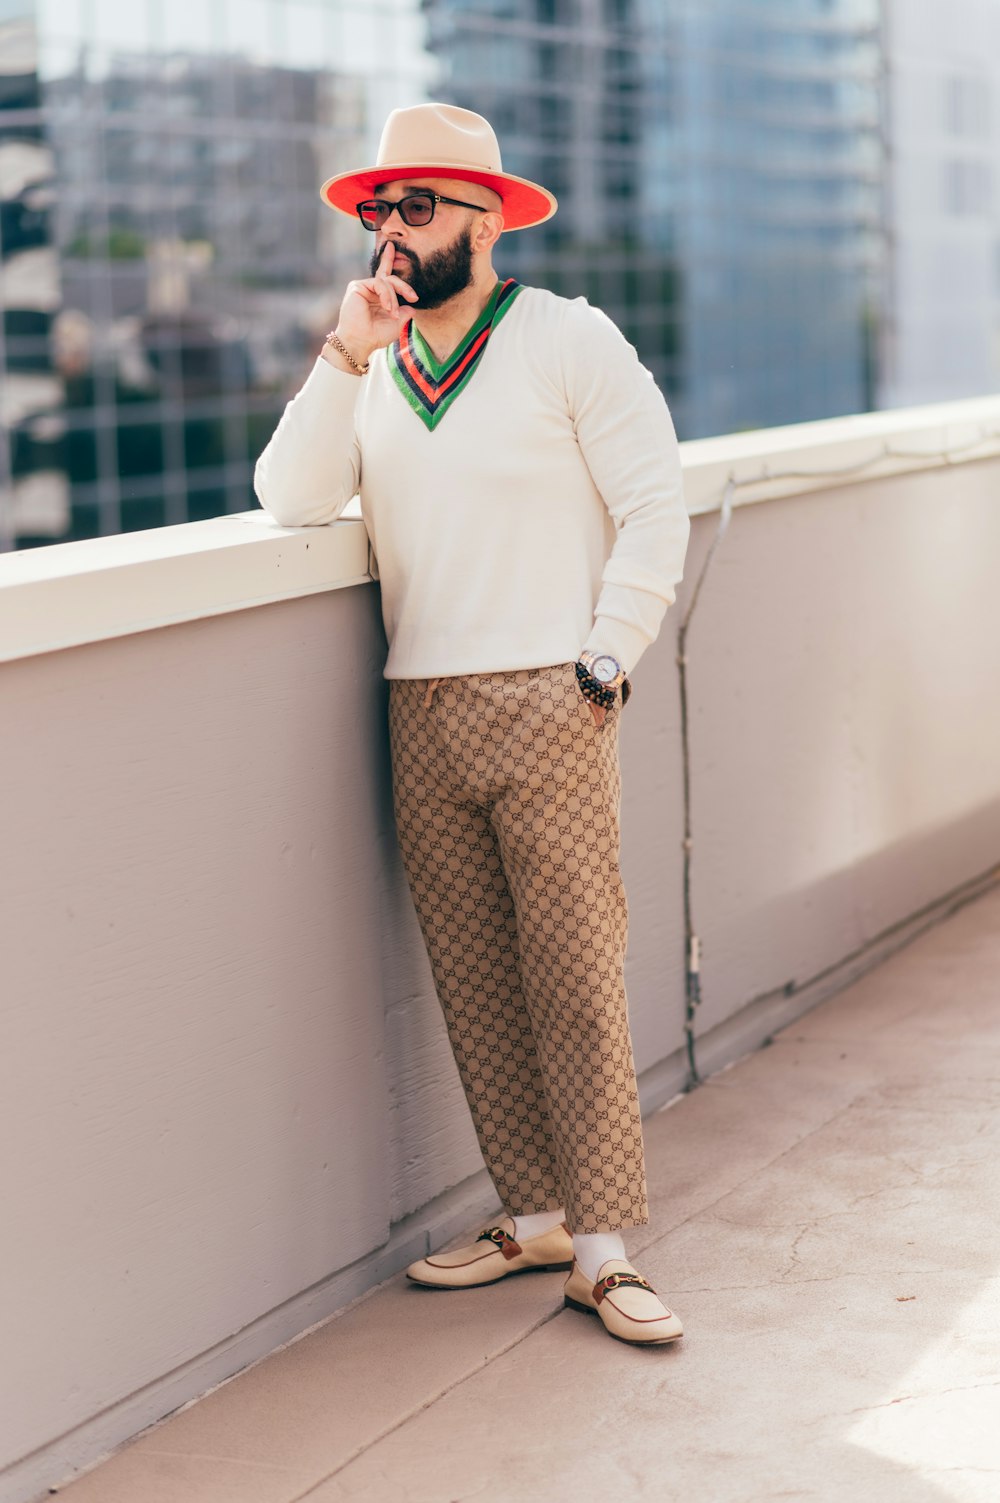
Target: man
x: 521, y: 487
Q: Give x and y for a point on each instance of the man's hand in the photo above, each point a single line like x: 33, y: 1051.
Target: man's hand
x: 370, y: 314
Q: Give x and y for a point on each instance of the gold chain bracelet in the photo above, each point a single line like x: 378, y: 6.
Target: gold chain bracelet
x: 341, y: 348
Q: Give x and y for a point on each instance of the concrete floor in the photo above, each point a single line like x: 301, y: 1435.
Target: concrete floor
x: 825, y: 1222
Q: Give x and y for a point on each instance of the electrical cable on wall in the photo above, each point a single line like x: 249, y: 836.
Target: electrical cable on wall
x: 692, y: 945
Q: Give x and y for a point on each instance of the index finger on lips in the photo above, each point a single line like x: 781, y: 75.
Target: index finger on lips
x: 381, y: 285
x: 384, y: 277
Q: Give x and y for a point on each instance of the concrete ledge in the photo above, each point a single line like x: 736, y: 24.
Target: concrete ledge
x: 71, y: 593
x: 767, y: 463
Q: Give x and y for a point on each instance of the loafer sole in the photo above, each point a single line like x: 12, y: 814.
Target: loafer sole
x: 574, y: 1304
x: 482, y: 1283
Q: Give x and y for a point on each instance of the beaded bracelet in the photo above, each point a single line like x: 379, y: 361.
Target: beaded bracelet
x: 593, y: 689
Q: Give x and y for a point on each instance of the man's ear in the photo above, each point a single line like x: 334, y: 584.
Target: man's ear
x: 489, y: 232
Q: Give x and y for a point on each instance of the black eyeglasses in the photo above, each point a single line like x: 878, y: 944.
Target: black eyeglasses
x: 414, y: 209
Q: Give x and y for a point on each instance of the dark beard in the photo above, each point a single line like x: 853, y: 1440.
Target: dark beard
x: 436, y: 277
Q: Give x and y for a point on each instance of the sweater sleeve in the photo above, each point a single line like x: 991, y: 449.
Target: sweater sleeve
x: 627, y: 437
x: 311, y: 466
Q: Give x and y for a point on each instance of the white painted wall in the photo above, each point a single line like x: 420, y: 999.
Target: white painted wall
x: 227, y: 1102
x: 846, y: 735
x: 194, y: 1094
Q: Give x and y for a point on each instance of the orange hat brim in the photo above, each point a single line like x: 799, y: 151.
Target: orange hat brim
x: 524, y: 203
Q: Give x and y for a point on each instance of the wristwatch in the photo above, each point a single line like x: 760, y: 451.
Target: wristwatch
x: 602, y: 666
x: 599, y: 675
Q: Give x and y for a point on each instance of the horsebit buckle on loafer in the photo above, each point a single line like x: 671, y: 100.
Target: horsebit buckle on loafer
x: 503, y: 1240
x: 616, y: 1280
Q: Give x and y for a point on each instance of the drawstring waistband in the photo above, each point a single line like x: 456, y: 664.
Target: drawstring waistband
x: 431, y: 686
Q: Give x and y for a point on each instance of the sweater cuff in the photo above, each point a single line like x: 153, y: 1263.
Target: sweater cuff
x: 347, y: 380
x: 623, y: 642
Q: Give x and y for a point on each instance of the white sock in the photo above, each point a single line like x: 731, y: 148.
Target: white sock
x: 536, y: 1224
x: 591, y: 1249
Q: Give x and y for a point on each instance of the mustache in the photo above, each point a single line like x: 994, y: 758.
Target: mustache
x: 397, y: 255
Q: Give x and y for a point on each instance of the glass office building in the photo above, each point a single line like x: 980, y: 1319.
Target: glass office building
x: 168, y: 269
x: 718, y: 169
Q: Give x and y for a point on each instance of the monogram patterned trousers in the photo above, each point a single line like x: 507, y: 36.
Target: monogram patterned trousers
x: 506, y: 796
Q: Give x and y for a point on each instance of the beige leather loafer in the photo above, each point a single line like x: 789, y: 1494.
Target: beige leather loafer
x: 494, y: 1255
x: 625, y: 1302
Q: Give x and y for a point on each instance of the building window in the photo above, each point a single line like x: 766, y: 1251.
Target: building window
x: 967, y: 106
x: 967, y: 186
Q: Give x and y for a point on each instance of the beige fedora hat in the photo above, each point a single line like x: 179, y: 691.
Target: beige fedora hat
x: 441, y: 140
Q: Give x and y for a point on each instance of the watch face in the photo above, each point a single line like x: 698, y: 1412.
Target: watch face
x: 605, y: 669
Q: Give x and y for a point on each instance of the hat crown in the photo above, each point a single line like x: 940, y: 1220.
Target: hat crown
x: 441, y: 135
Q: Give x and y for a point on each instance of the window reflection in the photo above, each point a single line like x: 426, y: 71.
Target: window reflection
x: 169, y: 269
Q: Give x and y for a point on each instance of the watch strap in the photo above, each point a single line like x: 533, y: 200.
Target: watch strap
x: 592, y: 688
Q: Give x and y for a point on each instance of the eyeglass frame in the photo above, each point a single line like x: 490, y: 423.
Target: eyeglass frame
x: 394, y: 203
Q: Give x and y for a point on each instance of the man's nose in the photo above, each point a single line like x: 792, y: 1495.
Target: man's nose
x: 398, y: 238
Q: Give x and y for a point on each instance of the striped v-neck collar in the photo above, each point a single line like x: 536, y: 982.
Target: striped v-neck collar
x: 430, y: 387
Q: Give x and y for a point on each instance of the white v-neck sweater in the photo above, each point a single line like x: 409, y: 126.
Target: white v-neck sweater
x: 543, y: 515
